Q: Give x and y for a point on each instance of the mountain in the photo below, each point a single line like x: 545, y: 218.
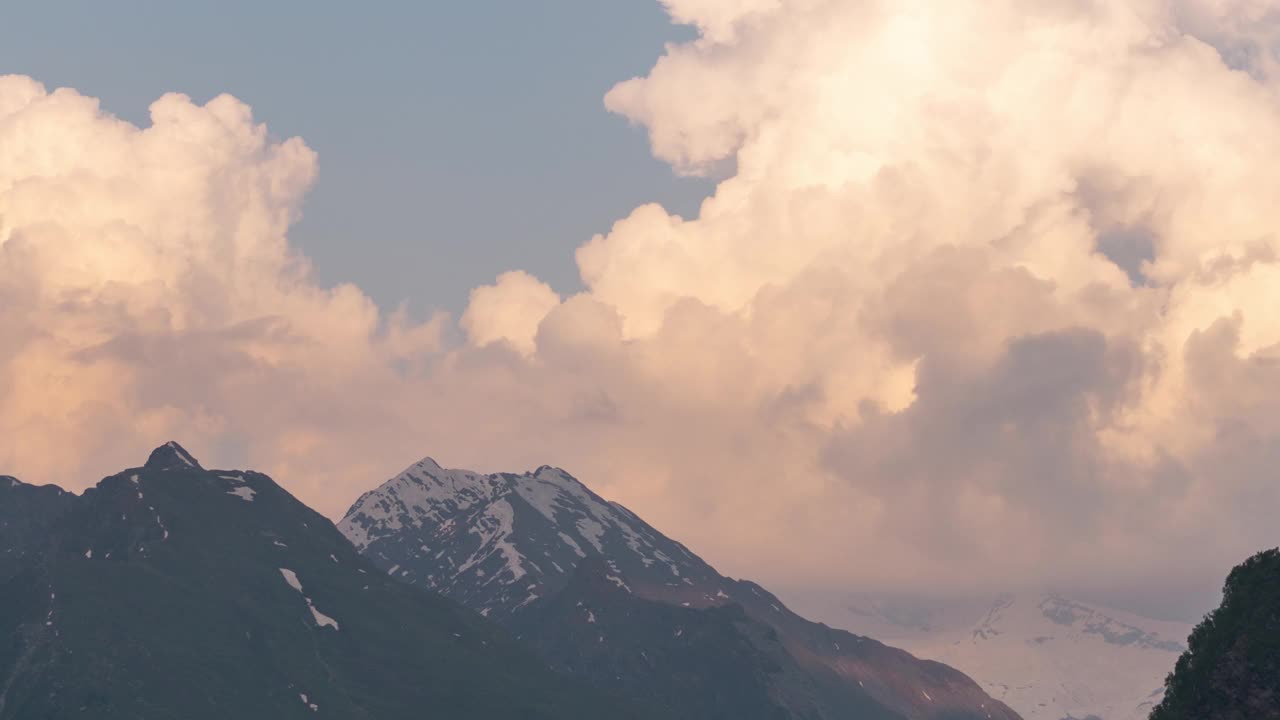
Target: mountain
x: 1231, y: 669
x: 1046, y: 656
x: 170, y: 591
x: 604, y: 596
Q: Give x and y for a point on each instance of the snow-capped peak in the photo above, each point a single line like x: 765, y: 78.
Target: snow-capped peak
x: 1045, y: 655
x: 427, y: 464
x: 537, y: 550
x: 424, y: 492
x: 510, y: 537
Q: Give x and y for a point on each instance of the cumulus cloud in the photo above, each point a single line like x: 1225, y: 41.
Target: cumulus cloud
x: 148, y: 290
x: 509, y: 311
x: 985, y: 298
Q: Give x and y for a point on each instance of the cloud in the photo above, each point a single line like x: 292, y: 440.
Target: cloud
x: 148, y: 290
x: 509, y: 311
x: 985, y: 297
x: 944, y: 305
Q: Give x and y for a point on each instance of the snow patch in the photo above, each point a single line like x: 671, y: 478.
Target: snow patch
x: 592, y: 531
x: 244, y: 492
x: 181, y: 454
x: 571, y: 543
x: 321, y: 619
x: 292, y: 578
x: 495, y: 527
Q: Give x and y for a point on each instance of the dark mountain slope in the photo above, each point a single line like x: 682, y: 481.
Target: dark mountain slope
x: 600, y: 593
x: 169, y: 591
x: 26, y: 511
x: 711, y: 662
x: 1231, y: 669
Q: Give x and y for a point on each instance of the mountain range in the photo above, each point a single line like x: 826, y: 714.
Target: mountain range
x: 1047, y: 656
x: 603, y: 596
x: 168, y: 590
x: 173, y: 592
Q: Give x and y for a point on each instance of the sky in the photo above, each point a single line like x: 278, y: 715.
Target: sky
x: 425, y: 116
x: 981, y: 296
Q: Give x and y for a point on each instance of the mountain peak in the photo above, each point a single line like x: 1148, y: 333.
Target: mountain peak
x: 427, y: 463
x: 604, y: 595
x: 315, y: 638
x: 560, y: 522
x: 555, y: 474
x: 171, y: 456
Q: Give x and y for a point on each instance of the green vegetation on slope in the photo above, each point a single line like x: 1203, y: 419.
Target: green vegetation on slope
x: 1231, y: 669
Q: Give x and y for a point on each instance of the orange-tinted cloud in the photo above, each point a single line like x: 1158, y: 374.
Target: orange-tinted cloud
x: 986, y: 296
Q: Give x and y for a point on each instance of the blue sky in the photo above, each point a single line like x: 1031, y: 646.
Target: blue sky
x: 456, y: 140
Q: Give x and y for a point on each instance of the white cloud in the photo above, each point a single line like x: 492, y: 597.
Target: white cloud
x: 509, y: 311
x: 148, y: 290
x: 894, y: 348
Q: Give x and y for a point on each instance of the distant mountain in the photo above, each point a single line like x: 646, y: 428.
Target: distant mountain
x: 601, y: 594
x: 169, y: 591
x: 1046, y: 656
x: 1231, y: 671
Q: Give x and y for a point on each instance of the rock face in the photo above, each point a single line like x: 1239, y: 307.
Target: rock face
x: 604, y: 596
x: 1047, y: 656
x: 1231, y: 670
x: 169, y: 591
